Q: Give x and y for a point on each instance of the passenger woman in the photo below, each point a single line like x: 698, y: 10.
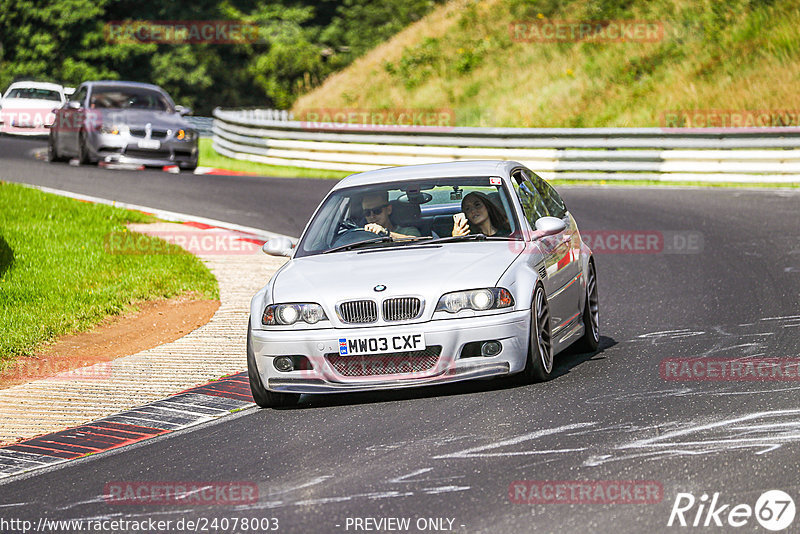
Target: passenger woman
x: 482, y: 217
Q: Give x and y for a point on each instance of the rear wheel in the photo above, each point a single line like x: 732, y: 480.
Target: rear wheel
x: 591, y: 315
x: 263, y: 397
x: 539, y: 366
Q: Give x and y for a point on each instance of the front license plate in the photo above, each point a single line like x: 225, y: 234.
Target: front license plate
x: 352, y: 346
x: 152, y: 144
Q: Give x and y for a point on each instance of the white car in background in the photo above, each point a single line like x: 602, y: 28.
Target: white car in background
x: 27, y: 107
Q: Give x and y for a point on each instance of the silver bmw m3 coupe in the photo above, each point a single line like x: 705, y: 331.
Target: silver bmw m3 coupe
x: 421, y: 275
x: 123, y: 122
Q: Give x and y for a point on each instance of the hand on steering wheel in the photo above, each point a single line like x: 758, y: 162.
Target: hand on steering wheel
x: 376, y: 229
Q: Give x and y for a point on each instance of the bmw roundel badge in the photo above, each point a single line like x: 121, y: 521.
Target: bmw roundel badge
x: 379, y: 287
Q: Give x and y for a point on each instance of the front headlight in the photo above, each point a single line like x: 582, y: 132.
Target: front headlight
x: 185, y: 135
x: 287, y: 314
x: 111, y: 129
x: 491, y: 298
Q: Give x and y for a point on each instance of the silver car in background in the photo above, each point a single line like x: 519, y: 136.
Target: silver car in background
x: 123, y: 122
x: 354, y: 310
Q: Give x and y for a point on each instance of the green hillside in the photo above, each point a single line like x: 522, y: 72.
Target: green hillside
x: 465, y: 56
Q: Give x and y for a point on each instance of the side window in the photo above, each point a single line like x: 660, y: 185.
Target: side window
x: 552, y: 200
x: 529, y: 198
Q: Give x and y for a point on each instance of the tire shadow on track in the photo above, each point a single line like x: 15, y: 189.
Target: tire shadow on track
x: 565, y: 362
x: 571, y: 358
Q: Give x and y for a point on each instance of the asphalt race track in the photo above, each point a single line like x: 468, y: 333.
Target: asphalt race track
x: 446, y: 458
x: 277, y: 204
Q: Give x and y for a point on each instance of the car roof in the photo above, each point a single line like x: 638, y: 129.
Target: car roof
x: 453, y: 169
x: 36, y: 85
x: 123, y: 84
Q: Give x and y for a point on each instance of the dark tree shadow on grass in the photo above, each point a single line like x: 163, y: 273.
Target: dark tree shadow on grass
x: 6, y: 257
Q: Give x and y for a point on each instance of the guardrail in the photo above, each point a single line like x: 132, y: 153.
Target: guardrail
x: 203, y: 125
x: 664, y: 154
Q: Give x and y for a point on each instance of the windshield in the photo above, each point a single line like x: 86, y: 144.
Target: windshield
x: 128, y: 97
x: 34, y: 93
x: 409, y: 212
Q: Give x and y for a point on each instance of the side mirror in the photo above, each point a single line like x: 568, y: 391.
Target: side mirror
x: 550, y: 226
x: 278, y: 246
x: 182, y: 110
x: 73, y: 104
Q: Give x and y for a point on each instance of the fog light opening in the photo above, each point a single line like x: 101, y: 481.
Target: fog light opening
x: 491, y: 348
x: 283, y: 364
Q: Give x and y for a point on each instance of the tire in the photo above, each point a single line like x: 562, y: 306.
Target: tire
x: 539, y: 366
x: 261, y: 395
x: 591, y: 315
x: 52, y: 151
x: 83, y: 152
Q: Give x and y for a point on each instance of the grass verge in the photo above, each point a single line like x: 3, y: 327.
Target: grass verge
x: 56, y: 276
x: 210, y: 158
x: 710, y: 64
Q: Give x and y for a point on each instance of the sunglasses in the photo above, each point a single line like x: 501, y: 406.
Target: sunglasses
x: 374, y: 211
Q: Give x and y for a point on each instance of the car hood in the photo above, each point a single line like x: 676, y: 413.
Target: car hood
x: 427, y: 271
x: 139, y: 118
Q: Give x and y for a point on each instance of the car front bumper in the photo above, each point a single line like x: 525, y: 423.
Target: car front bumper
x: 510, y: 329
x: 124, y: 149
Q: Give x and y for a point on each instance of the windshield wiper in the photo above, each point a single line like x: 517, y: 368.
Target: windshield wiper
x: 468, y: 237
x: 349, y: 246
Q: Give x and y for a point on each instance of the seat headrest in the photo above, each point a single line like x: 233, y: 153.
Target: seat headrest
x: 405, y: 213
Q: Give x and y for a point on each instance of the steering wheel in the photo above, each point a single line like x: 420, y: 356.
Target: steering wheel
x: 347, y: 224
x: 353, y: 235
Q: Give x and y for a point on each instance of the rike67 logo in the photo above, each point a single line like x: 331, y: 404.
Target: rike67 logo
x: 774, y: 510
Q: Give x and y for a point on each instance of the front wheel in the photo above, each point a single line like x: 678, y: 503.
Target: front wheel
x: 539, y: 366
x: 83, y: 151
x: 591, y: 315
x: 52, y: 150
x: 261, y: 395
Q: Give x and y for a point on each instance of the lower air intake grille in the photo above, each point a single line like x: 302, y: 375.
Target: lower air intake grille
x: 147, y: 154
x: 391, y: 363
